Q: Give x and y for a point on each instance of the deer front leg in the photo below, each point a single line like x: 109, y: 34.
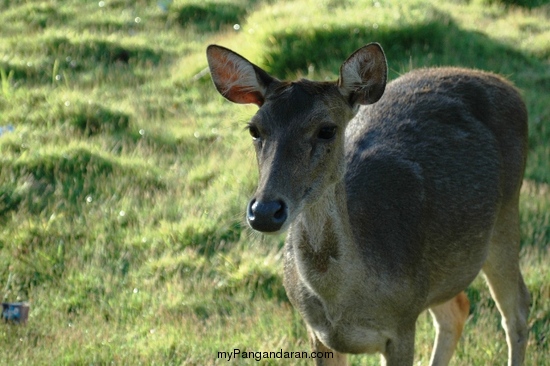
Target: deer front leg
x: 400, y: 350
x: 329, y: 357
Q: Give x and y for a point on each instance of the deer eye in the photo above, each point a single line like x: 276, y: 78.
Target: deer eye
x: 253, y: 130
x: 326, y: 133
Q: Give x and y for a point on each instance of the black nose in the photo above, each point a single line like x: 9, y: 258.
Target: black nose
x: 266, y: 217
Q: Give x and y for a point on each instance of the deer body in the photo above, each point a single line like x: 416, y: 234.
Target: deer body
x: 394, y: 198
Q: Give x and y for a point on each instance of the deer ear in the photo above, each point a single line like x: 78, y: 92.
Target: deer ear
x: 363, y: 75
x: 236, y: 78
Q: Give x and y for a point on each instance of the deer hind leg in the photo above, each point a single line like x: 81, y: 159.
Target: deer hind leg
x: 449, y: 319
x: 506, y: 282
x: 325, y: 356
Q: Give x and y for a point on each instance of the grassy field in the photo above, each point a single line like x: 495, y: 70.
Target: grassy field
x: 124, y: 175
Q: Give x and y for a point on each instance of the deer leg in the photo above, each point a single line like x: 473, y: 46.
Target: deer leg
x: 400, y: 351
x: 325, y: 356
x: 506, y: 282
x: 448, y: 319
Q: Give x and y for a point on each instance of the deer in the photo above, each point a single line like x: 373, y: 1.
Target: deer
x: 394, y: 197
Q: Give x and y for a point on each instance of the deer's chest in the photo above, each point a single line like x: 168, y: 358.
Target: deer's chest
x: 344, y: 319
x: 344, y: 325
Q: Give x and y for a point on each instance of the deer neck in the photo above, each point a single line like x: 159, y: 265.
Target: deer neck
x: 325, y: 223
x: 325, y: 251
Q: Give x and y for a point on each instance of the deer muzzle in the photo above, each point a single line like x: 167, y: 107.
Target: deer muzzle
x: 268, y: 216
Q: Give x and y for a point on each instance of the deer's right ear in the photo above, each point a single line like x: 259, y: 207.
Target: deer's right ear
x: 236, y: 78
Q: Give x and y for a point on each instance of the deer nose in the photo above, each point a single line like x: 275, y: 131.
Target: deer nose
x: 267, y: 217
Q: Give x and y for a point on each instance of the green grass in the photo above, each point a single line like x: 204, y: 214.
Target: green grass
x: 124, y: 180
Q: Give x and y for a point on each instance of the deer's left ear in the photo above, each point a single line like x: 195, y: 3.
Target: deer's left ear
x: 363, y: 75
x: 236, y: 78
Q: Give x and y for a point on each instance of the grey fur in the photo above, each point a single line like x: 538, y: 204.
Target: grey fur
x: 400, y: 210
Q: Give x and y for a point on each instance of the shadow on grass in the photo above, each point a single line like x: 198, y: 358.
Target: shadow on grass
x: 36, y: 16
x: 60, y: 55
x: 14, y: 73
x: 100, y: 51
x: 68, y: 177
x: 210, y: 17
x: 529, y: 4
x: 438, y: 41
x: 93, y: 118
